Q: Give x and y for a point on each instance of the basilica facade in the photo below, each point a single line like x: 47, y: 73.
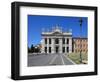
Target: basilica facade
x: 56, y: 41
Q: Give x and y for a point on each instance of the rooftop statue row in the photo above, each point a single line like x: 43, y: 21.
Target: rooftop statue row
x: 56, y: 29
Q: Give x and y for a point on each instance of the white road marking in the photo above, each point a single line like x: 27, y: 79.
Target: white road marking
x: 69, y: 59
x: 62, y: 60
x: 53, y: 59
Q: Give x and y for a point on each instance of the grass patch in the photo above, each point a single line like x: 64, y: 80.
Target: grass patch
x: 75, y: 57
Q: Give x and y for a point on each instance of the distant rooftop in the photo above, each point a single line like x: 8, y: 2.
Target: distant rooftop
x: 80, y: 38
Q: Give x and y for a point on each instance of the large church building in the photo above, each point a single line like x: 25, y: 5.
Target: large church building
x: 56, y: 41
x: 59, y: 41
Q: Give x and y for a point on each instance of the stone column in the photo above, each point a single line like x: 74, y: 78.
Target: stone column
x: 60, y: 45
x: 65, y: 45
x: 70, y: 45
x: 52, y: 45
x: 47, y: 45
x: 42, y: 45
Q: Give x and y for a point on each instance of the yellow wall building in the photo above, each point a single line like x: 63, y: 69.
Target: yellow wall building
x: 80, y: 44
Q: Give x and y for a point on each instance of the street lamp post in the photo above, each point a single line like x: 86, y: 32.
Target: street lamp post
x: 80, y: 21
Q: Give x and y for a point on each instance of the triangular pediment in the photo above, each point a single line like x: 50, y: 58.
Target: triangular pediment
x: 57, y: 33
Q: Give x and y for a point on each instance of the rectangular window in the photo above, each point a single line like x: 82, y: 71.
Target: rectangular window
x: 63, y: 49
x: 56, y: 41
x: 63, y: 40
x: 67, y: 41
x: 49, y: 49
x: 67, y: 49
x: 45, y: 49
x: 45, y: 40
x: 49, y: 40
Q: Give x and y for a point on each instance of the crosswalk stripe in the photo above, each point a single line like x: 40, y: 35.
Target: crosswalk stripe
x: 53, y: 59
x: 62, y: 60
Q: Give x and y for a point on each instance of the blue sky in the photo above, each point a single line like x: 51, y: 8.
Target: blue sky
x: 37, y: 22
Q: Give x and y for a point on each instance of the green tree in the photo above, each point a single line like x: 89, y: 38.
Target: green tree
x: 32, y: 48
x: 29, y: 50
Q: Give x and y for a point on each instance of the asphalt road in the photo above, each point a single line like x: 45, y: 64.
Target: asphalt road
x: 49, y: 59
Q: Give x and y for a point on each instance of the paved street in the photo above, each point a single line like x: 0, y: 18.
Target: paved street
x: 49, y: 59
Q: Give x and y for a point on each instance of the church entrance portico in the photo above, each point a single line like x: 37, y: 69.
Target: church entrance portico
x: 56, y: 41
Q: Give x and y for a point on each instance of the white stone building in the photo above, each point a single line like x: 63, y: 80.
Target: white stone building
x: 56, y: 41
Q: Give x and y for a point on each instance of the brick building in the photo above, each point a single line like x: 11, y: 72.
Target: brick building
x: 80, y: 44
